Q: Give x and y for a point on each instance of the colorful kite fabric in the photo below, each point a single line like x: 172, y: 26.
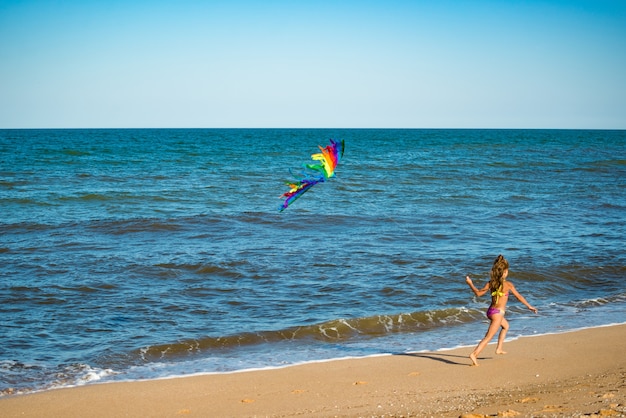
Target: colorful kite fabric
x: 328, y: 158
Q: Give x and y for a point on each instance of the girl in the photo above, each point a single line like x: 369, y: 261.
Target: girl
x: 500, y: 289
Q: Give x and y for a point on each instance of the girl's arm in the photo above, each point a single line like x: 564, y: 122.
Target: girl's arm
x: 477, y: 292
x: 521, y: 298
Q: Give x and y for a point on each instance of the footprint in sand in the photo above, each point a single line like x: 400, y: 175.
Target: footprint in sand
x: 552, y: 408
x: 508, y: 413
x: 528, y: 400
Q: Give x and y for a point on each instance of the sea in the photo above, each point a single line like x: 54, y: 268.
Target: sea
x: 132, y: 254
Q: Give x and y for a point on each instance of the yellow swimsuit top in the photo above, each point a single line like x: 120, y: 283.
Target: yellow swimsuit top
x: 499, y: 293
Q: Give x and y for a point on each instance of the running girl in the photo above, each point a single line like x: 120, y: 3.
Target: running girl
x: 500, y: 289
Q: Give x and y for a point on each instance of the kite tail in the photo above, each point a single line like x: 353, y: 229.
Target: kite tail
x: 298, y: 188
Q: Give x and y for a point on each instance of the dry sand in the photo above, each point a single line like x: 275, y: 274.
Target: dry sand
x: 579, y: 373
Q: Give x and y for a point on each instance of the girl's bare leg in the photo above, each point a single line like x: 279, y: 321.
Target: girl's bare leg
x: 502, y: 336
x: 496, y: 321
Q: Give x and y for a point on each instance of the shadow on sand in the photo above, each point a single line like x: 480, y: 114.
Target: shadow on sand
x: 453, y: 359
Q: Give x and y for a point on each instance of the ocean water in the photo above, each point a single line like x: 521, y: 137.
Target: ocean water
x: 139, y: 254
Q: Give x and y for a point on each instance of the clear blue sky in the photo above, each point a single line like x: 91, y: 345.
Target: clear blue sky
x: 352, y: 64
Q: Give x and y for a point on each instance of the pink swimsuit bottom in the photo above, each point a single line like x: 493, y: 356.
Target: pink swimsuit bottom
x: 493, y: 311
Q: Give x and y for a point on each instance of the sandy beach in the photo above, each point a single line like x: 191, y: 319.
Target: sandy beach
x: 581, y: 373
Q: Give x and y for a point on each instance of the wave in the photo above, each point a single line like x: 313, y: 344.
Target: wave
x: 75, y: 374
x: 586, y: 303
x: 209, y: 269
x: 202, y: 225
x: 117, y: 226
x: 336, y: 330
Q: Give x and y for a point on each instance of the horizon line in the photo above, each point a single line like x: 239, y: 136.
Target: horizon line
x: 312, y: 128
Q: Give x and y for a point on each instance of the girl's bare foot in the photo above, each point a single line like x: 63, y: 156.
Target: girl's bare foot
x: 500, y: 352
x: 474, y: 360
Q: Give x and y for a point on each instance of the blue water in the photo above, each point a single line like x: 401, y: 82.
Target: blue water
x: 133, y: 254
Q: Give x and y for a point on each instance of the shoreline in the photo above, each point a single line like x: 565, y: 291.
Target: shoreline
x: 321, y: 361
x: 99, y: 381
x: 576, y: 373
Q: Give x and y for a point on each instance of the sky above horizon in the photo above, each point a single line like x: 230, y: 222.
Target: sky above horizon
x: 317, y: 64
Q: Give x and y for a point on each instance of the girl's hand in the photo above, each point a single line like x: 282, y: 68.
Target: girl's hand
x: 532, y: 308
x: 468, y: 280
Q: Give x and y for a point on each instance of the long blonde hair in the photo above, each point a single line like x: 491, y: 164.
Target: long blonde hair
x: 497, y: 274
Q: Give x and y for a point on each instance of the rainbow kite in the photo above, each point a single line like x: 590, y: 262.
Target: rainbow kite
x: 328, y: 158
